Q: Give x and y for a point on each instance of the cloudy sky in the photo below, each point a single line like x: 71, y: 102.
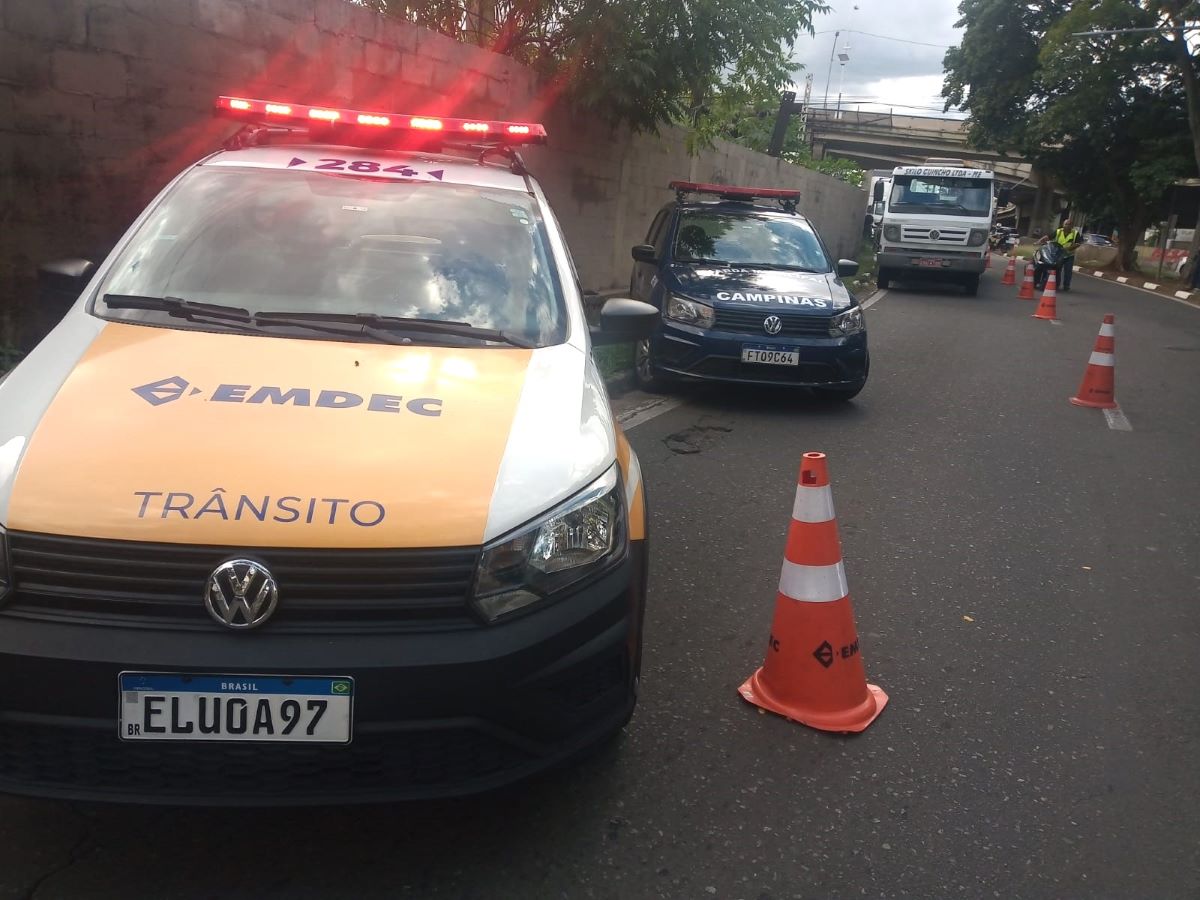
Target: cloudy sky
x: 892, y: 64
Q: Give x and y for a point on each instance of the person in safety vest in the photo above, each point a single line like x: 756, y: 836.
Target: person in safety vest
x: 1068, y: 237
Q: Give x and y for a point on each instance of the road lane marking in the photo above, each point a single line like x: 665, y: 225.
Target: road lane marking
x: 1150, y: 285
x: 1116, y: 420
x: 873, y: 299
x: 644, y: 412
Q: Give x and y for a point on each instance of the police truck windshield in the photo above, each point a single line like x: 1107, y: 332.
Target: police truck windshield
x: 753, y: 241
x: 301, y: 243
x: 941, y: 196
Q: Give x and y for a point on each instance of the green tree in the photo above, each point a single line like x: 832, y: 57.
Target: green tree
x: 641, y: 62
x: 1104, y: 117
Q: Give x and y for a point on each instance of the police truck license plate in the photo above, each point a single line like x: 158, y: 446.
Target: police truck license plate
x: 771, y: 356
x: 931, y: 263
x: 171, y: 707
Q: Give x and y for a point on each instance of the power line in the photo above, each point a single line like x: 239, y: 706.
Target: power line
x: 885, y: 37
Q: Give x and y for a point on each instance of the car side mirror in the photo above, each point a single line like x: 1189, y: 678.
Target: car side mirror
x: 624, y: 321
x: 645, y: 253
x: 59, y: 285
x: 878, y: 195
x: 847, y: 267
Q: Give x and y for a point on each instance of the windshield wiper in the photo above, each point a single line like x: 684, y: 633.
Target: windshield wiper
x: 177, y: 306
x: 390, y: 327
x: 783, y: 267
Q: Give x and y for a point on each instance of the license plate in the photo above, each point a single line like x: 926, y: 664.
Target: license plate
x: 771, y: 356
x: 930, y: 263
x: 156, y: 706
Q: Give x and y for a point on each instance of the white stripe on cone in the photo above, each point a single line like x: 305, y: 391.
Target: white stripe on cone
x: 1100, y: 359
x: 813, y: 584
x: 1107, y: 330
x: 813, y: 504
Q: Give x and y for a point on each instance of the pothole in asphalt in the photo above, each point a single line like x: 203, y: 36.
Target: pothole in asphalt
x: 698, y: 437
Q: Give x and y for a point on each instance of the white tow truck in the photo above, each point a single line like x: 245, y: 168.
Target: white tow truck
x: 935, y: 222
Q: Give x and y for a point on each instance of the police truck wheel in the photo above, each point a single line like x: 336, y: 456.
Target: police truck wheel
x: 643, y: 367
x: 971, y: 285
x: 884, y: 279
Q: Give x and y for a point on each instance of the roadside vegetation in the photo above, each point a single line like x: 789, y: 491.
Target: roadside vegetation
x: 1114, y: 117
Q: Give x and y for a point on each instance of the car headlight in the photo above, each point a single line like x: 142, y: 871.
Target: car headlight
x: 852, y: 321
x: 891, y: 232
x: 689, y: 312
x: 564, y: 546
x: 978, y: 236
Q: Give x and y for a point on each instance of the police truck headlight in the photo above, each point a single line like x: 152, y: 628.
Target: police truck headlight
x: 891, y: 232
x: 978, y: 236
x: 852, y: 321
x: 568, y: 544
x: 689, y: 312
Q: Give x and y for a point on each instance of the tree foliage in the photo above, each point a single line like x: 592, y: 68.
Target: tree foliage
x: 1107, y: 116
x: 641, y: 62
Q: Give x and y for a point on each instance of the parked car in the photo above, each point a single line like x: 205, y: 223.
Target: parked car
x: 314, y: 495
x: 1097, y: 240
x: 748, y: 293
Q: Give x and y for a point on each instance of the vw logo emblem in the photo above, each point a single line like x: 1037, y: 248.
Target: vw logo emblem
x: 772, y: 324
x: 935, y: 235
x: 241, y: 594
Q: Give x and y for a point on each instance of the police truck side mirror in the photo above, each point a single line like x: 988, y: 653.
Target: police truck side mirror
x: 644, y: 253
x: 847, y: 267
x: 878, y: 195
x: 624, y: 321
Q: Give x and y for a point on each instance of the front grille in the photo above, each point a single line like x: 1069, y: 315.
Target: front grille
x: 947, y: 235
x: 162, y: 585
x: 394, y: 763
x: 750, y: 321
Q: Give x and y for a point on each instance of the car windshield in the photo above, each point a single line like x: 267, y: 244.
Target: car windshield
x: 269, y: 240
x: 749, y: 240
x: 943, y: 196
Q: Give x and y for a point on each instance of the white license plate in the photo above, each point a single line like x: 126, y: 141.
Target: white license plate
x: 771, y: 356
x: 155, y: 706
x: 931, y: 263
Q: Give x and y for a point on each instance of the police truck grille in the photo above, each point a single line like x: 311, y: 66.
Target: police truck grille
x: 130, y: 584
x: 750, y: 321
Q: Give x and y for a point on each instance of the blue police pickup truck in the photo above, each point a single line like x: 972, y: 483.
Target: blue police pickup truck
x: 748, y: 293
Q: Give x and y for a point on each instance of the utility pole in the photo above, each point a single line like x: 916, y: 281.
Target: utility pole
x: 829, y: 72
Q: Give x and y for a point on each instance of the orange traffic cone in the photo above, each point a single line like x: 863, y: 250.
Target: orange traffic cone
x: 1046, y: 308
x: 1010, y: 272
x: 1098, y: 386
x: 1026, y: 292
x: 813, y: 673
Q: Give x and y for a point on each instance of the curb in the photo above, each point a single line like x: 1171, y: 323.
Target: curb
x: 1192, y: 298
x: 621, y: 383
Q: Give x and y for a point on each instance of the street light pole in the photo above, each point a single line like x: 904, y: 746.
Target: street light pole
x: 829, y: 74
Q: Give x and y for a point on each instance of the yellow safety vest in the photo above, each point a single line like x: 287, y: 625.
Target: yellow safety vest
x: 1066, y: 238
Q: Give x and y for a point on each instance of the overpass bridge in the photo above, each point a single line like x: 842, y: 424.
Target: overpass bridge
x: 884, y: 140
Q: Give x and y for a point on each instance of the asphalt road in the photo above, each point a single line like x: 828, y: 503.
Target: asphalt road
x: 1026, y: 581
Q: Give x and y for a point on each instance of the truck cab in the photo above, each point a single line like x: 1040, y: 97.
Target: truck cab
x: 935, y: 222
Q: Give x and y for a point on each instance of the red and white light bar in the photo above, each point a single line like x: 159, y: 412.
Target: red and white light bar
x: 268, y: 111
x: 741, y: 193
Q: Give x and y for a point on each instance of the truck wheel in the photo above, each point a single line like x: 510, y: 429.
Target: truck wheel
x: 884, y: 279
x: 972, y: 285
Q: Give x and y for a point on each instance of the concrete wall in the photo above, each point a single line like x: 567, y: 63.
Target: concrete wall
x: 103, y: 101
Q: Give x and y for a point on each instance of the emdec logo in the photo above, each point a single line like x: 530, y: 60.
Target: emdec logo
x: 168, y: 390
x: 156, y: 393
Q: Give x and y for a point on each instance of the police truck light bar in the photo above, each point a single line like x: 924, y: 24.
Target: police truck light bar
x: 266, y: 112
x: 734, y: 193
